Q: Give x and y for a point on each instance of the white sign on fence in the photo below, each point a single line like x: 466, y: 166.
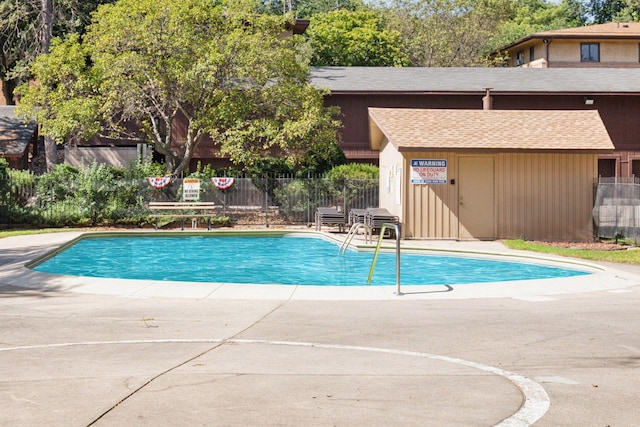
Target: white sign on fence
x: 191, y: 189
x: 428, y: 171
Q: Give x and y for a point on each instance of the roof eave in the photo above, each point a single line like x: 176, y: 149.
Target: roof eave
x: 404, y: 149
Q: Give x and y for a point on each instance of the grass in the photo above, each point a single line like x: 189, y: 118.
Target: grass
x: 621, y: 256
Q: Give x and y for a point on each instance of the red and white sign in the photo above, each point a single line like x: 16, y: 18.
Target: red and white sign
x: 222, y: 183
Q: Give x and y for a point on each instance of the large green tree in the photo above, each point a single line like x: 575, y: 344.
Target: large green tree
x: 446, y: 33
x: 602, y: 11
x: 531, y: 16
x: 216, y: 68
x: 22, y: 30
x: 354, y: 39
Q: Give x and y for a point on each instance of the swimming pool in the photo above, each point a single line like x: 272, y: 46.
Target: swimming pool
x: 284, y: 258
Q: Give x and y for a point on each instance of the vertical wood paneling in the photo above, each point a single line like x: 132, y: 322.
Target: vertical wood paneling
x: 539, y: 196
x: 432, y: 207
x: 545, y: 196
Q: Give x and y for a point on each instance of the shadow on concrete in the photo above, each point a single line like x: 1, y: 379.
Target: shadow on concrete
x: 10, y: 291
x: 448, y: 289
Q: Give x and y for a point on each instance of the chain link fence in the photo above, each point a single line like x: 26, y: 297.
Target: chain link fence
x: 265, y: 200
x: 616, y: 212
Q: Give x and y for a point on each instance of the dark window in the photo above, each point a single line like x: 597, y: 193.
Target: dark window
x: 607, y: 168
x: 590, y: 52
x: 531, y: 54
x: 520, y: 58
x: 635, y: 168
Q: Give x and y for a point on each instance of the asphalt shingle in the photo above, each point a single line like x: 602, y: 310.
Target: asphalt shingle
x: 427, y: 80
x: 537, y: 130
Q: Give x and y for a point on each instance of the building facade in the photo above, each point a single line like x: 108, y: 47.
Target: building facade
x: 614, y: 45
x: 613, y: 92
x: 461, y: 174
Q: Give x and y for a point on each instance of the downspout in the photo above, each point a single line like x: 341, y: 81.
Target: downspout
x: 547, y: 42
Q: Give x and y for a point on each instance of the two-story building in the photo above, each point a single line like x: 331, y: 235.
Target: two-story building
x: 613, y: 45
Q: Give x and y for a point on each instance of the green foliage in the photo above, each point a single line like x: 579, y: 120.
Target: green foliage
x: 21, y: 33
x: 603, y: 11
x: 305, y: 9
x: 354, y: 171
x: 447, y: 33
x: 4, y: 167
x: 532, y: 16
x: 354, y: 39
x: 62, y: 101
x: 218, y: 67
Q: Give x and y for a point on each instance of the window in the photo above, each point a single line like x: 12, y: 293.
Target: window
x: 531, y: 54
x: 590, y: 52
x: 607, y: 168
x: 520, y: 58
x: 635, y: 167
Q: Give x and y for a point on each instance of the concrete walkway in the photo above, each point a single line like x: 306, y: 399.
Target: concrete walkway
x: 80, y: 351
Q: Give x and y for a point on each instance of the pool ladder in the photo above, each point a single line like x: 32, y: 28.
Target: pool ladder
x: 396, y: 227
x: 352, y: 232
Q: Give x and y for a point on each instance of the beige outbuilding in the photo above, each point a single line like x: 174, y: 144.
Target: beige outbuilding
x: 489, y: 174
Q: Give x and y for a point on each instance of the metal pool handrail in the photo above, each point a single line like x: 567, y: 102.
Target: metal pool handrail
x: 375, y: 254
x: 352, y: 232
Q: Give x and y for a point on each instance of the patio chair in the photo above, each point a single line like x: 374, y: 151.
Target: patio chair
x: 375, y: 217
x: 329, y: 216
x: 356, y: 216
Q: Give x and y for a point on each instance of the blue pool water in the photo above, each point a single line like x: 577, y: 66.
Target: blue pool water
x: 274, y: 260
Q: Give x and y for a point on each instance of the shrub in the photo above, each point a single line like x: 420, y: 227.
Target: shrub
x: 354, y: 171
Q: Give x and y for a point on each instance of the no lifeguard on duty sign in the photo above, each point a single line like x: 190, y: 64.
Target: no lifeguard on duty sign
x: 428, y: 171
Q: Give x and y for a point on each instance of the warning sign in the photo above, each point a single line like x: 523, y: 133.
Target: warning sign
x: 428, y: 171
x: 191, y: 189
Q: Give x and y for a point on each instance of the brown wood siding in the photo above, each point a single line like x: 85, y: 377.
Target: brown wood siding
x: 619, y: 112
x: 538, y: 197
x: 355, y: 115
x: 545, y: 196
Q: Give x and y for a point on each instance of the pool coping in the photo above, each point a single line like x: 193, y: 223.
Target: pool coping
x: 17, y: 273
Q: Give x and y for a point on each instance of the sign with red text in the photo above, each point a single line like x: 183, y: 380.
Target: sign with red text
x: 428, y: 171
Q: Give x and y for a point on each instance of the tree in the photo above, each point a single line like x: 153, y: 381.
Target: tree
x: 446, y: 33
x: 218, y: 68
x: 305, y: 9
x: 603, y: 11
x: 532, y: 16
x: 353, y: 39
x: 22, y: 29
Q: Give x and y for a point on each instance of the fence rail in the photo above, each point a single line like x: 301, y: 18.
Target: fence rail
x: 263, y: 200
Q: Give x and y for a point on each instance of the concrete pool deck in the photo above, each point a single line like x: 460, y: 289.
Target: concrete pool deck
x: 82, y: 351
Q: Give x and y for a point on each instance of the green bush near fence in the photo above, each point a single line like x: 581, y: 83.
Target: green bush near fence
x: 103, y: 195
x: 343, y: 187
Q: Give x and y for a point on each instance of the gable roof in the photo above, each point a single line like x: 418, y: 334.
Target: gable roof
x: 465, y: 80
x: 15, y: 134
x: 610, y: 30
x: 489, y: 130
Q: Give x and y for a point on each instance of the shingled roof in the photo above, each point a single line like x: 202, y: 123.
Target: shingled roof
x: 608, y: 31
x: 512, y: 80
x: 15, y: 134
x: 492, y: 130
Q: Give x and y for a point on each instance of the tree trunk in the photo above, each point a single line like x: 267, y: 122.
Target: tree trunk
x: 50, y: 148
